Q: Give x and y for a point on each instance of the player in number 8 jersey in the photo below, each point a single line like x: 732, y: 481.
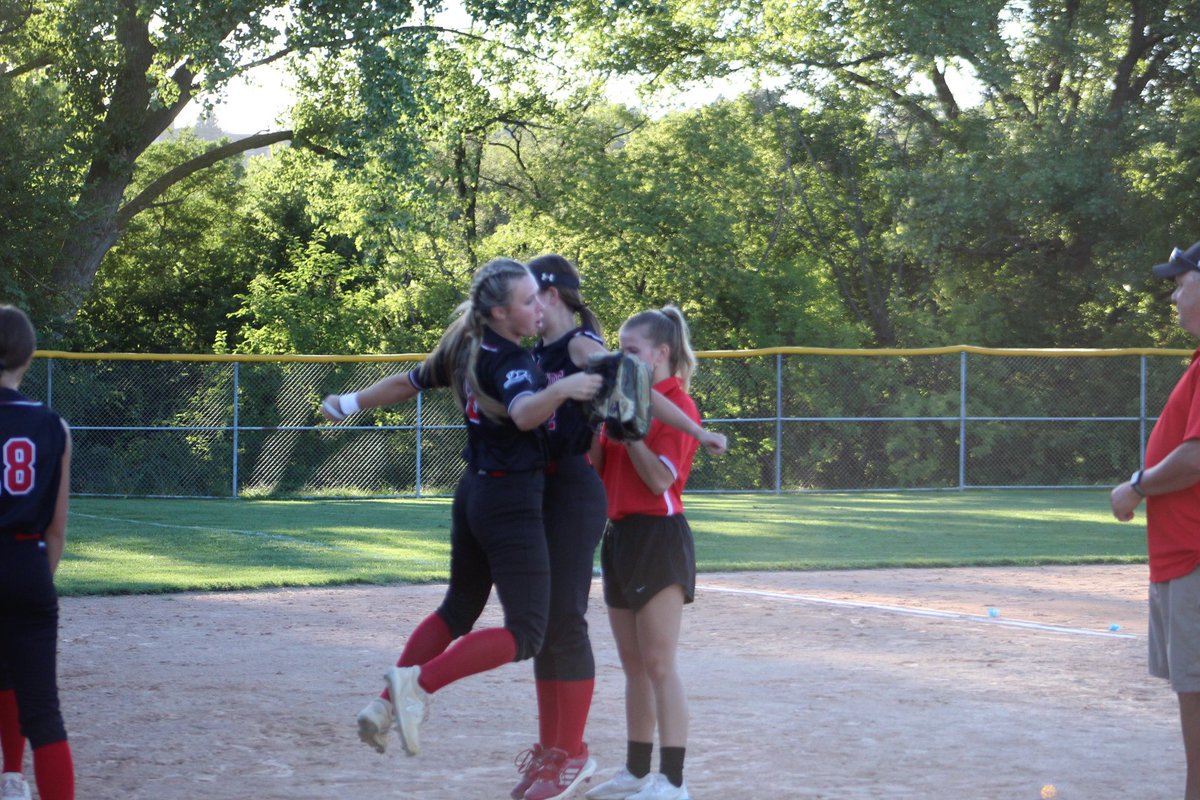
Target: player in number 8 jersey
x: 35, y: 455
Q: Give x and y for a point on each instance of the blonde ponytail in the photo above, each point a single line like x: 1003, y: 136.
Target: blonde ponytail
x: 667, y: 326
x: 452, y: 363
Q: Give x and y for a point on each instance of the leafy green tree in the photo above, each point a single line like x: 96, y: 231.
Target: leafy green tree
x: 1011, y: 206
x: 122, y: 72
x: 34, y: 195
x: 313, y: 287
x: 170, y: 282
x: 425, y: 196
x: 326, y: 301
x: 689, y: 209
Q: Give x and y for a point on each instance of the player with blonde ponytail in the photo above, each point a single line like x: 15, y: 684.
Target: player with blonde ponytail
x: 575, y: 514
x: 497, y: 537
x: 649, y: 564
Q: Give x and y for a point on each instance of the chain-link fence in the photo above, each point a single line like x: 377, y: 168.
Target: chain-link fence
x: 797, y: 419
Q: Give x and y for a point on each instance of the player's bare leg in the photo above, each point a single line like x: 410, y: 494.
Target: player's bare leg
x: 641, y: 716
x: 658, y: 624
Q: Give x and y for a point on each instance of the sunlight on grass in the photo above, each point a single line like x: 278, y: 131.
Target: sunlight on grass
x: 141, y: 546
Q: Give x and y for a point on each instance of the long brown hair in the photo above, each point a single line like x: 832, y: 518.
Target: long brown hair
x: 552, y: 270
x: 452, y: 362
x: 667, y: 326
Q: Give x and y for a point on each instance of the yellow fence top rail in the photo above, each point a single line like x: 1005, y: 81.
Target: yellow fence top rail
x: 941, y: 351
x: 227, y: 357
x: 765, y: 351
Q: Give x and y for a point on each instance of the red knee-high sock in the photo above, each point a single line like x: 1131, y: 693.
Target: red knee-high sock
x: 55, y: 771
x: 12, y: 743
x: 429, y: 639
x: 476, y: 652
x: 574, y: 702
x: 547, y: 700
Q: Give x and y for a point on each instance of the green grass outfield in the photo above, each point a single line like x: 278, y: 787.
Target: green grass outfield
x: 122, y: 546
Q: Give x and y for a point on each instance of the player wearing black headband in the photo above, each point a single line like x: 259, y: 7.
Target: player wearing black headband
x: 575, y: 515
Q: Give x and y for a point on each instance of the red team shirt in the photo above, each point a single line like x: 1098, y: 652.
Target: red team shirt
x: 1173, y: 519
x: 627, y: 492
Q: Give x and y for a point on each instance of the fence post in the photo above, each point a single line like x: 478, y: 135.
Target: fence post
x: 962, y: 420
x: 50, y: 382
x: 778, y: 423
x: 236, y: 442
x: 1142, y: 415
x: 420, y: 421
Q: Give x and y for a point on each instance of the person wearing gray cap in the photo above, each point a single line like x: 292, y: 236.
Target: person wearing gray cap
x: 1180, y: 263
x: 1170, y: 484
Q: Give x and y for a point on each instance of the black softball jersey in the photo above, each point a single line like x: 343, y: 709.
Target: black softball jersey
x: 570, y: 433
x: 505, y: 371
x: 32, y: 440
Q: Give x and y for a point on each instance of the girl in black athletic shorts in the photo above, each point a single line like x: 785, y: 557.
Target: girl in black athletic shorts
x: 35, y: 465
x: 497, y: 536
x: 575, y: 516
x: 649, y: 564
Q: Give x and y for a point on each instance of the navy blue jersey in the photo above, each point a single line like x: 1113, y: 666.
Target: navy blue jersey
x: 32, y: 441
x: 505, y: 371
x: 569, y: 432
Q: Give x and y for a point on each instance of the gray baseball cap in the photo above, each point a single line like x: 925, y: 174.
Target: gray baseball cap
x: 1180, y: 262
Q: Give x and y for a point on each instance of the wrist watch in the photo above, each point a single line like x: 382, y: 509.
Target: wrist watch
x: 1135, y: 482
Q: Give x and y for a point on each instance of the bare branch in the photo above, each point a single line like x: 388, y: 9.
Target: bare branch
x: 338, y: 44
x: 27, y: 67
x: 945, y: 95
x: 185, y: 170
x: 902, y: 100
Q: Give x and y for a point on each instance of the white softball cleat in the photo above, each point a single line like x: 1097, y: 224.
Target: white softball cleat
x: 410, y: 704
x: 14, y: 787
x: 374, y: 722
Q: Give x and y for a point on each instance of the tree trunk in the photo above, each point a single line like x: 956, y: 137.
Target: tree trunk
x: 92, y: 234
x: 100, y: 216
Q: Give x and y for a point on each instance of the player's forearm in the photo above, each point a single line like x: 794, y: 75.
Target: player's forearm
x: 55, y: 535
x: 668, y: 413
x: 531, y: 410
x: 55, y: 544
x: 387, y: 392
x: 596, y: 454
x: 1179, y: 470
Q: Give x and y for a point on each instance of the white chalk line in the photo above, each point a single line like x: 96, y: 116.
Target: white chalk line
x: 281, y: 537
x: 920, y: 612
x: 908, y: 610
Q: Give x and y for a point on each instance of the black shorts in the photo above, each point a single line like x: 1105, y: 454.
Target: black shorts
x: 640, y: 556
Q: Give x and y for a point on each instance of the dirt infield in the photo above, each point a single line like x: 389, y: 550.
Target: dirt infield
x: 850, y: 685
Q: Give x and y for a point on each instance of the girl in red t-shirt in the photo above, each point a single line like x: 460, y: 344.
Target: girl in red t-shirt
x: 649, y: 563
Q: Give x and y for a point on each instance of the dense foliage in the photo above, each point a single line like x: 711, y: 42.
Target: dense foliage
x: 887, y: 173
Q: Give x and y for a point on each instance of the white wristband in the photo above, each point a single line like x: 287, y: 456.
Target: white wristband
x: 349, y: 403
x: 332, y: 409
